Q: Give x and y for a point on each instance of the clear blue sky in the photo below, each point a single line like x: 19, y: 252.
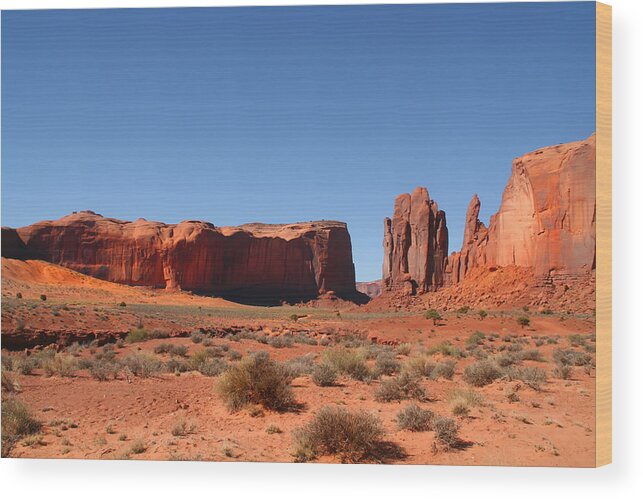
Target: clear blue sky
x: 285, y: 114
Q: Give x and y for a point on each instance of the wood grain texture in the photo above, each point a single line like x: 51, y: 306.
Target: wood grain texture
x: 603, y: 234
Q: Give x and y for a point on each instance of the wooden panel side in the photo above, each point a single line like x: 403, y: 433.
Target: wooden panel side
x: 603, y: 234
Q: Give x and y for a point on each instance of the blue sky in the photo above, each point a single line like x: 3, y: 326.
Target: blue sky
x: 286, y: 114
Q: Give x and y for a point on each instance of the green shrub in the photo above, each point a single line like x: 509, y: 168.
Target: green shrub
x: 476, y: 338
x: 19, y: 295
x: 414, y: 418
x: 463, y: 310
x: 404, y: 386
x: 523, y: 321
x: 433, y: 315
x: 257, y: 379
x: 351, y: 436
x: 137, y: 335
x: 175, y: 365
x: 122, y: 304
x: 481, y: 373
x: 17, y: 422
x: 43, y: 297
x: 324, y: 374
x: 482, y: 314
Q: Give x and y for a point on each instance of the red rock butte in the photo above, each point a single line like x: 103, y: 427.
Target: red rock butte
x: 263, y: 263
x: 546, y: 222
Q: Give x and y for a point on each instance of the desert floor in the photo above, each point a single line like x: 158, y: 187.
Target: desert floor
x: 168, y: 414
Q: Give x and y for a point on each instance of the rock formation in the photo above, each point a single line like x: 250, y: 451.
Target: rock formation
x: 256, y: 262
x: 546, y: 222
x: 372, y: 289
x: 416, y: 243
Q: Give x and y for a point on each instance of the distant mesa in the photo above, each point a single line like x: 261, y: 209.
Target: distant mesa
x: 255, y: 263
x: 372, y: 289
x: 546, y: 222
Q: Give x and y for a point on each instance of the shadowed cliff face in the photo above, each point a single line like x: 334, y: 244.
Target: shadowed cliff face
x: 546, y: 222
x: 257, y: 263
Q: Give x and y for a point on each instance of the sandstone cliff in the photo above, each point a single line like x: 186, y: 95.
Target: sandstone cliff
x: 255, y: 262
x: 416, y: 243
x: 546, y: 222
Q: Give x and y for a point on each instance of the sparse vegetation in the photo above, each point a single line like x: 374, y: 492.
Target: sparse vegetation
x: 404, y: 386
x: 481, y: 373
x: 17, y: 423
x: 256, y: 380
x: 183, y: 428
x: 433, y: 315
x: 523, y: 321
x: 351, y: 436
x: 324, y: 374
x: 414, y: 418
x: 137, y: 335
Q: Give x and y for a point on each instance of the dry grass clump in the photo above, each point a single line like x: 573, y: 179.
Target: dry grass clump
x: 183, y: 428
x: 301, y: 366
x: 444, y: 370
x: 212, y: 367
x: 481, y: 373
x: 10, y: 383
x: 461, y: 401
x: 533, y: 377
x: 419, y: 367
x: 386, y: 364
x: 61, y: 364
x: 137, y: 335
x: 169, y: 348
x: 348, y: 361
x: 445, y: 348
x: 17, y: 422
x: 414, y: 418
x: 324, y: 374
x: 571, y: 357
x: 446, y: 432
x: 256, y: 380
x: 281, y: 341
x: 103, y: 370
x: 402, y: 387
x: 142, y: 365
x: 351, y: 436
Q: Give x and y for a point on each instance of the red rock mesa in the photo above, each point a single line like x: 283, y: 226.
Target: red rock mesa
x: 255, y: 262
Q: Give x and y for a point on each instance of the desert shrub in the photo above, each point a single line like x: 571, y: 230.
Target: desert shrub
x: 446, y: 431
x: 351, y: 436
x: 418, y: 366
x: 294, y: 317
x: 547, y: 311
x: 19, y: 295
x: 523, y: 321
x: 280, y: 341
x: 197, y: 337
x: 576, y: 340
x: 137, y: 335
x: 349, y: 362
x: 138, y: 447
x: 301, y: 366
x: 386, y: 364
x: 476, y: 338
x: 61, y: 364
x: 234, y: 354
x: 17, y: 422
x: 482, y: 314
x: 43, y: 297
x: 182, y: 428
x: 533, y: 354
x: 142, y: 365
x: 433, y: 315
x: 257, y: 379
x: 507, y: 359
x: 122, y: 304
x: 563, y: 371
x: 178, y: 350
x: 7, y: 362
x: 571, y: 357
x: 481, y: 373
x: 533, y: 377
x: 404, y: 349
x: 272, y: 429
x: 9, y: 382
x: 199, y: 357
x: 24, y: 364
x: 463, y: 310
x: 461, y: 401
x: 445, y: 348
x: 414, y: 418
x: 176, y: 365
x: 157, y: 334
x: 324, y: 374
x: 103, y: 370
x: 212, y: 367
x: 401, y: 387
x: 444, y: 370
x: 305, y: 340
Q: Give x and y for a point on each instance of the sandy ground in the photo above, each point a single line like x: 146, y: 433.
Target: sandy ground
x: 86, y: 418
